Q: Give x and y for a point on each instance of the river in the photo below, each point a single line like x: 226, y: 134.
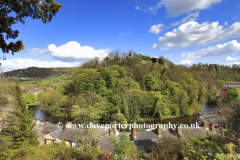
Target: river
x: 38, y: 113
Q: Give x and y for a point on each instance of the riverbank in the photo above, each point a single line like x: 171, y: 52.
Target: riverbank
x: 40, y: 114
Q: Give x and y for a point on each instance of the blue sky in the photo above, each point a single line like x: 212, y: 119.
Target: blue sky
x: 183, y: 31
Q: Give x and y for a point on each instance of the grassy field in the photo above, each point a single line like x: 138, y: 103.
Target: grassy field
x: 50, y: 82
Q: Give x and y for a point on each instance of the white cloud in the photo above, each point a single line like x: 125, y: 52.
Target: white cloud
x: 226, y: 23
x: 73, y: 51
x: 236, y: 63
x: 152, y: 10
x: 186, y: 62
x: 137, y: 7
x: 190, y: 17
x: 13, y: 64
x: 36, y: 51
x: 235, y: 17
x: 156, y: 28
x: 192, y: 33
x: 232, y: 59
x: 218, y: 50
x: 182, y: 6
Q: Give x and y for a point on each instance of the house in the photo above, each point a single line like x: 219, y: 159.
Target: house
x: 217, y: 120
x: 105, y: 144
x: 147, y: 140
x: 227, y: 86
x: 47, y: 133
x: 70, y: 136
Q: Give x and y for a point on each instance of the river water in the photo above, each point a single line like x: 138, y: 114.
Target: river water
x: 38, y: 113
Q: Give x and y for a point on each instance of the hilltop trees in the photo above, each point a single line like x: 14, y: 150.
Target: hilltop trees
x: 137, y: 87
x: 90, y: 80
x: 12, y: 12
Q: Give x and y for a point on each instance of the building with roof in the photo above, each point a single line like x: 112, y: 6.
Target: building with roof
x: 144, y: 140
x: 70, y: 136
x: 147, y: 140
x: 217, y: 120
x: 47, y: 133
x: 106, y: 145
x: 227, y: 86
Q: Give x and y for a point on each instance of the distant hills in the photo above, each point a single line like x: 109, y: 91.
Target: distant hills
x: 35, y: 72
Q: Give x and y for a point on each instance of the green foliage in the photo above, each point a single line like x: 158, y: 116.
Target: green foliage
x: 119, y: 118
x: 127, y: 83
x: 229, y: 156
x: 51, y: 151
x: 89, y: 80
x: 20, y: 123
x: 36, y: 9
x: 86, y: 115
x: 29, y: 98
x: 221, y: 83
x: 110, y: 76
x: 135, y: 85
x: 150, y: 83
x: 233, y: 94
x: 123, y: 148
x: 51, y: 100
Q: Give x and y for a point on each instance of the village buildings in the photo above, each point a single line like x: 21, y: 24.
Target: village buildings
x: 227, y: 86
x: 216, y: 120
x: 144, y: 140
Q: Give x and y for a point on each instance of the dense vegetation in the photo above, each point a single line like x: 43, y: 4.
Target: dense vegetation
x: 121, y: 89
x: 35, y: 72
x: 20, y: 141
x: 138, y: 87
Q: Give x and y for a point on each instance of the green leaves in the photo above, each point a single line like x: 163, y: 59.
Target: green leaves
x: 36, y: 9
x: 123, y: 147
x: 233, y: 94
x: 150, y: 83
x: 20, y: 123
x: 89, y: 80
x: 29, y: 98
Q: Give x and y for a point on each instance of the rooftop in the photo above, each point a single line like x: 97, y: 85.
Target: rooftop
x: 69, y: 134
x: 55, y: 134
x: 231, y: 85
x: 50, y: 128
x: 216, y: 119
x: 106, y: 145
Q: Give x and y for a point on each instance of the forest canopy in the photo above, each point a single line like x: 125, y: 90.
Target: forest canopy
x: 137, y: 86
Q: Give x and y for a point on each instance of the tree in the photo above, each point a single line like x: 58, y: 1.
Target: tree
x: 37, y: 9
x: 123, y: 148
x: 119, y: 118
x: 221, y: 83
x: 20, y: 123
x: 29, y: 98
x: 85, y: 115
x: 89, y: 80
x: 233, y: 94
x: 150, y: 83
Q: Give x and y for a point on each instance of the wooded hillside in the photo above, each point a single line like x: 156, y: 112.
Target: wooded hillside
x: 133, y: 86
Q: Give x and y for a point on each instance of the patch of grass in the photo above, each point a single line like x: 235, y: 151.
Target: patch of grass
x: 44, y: 82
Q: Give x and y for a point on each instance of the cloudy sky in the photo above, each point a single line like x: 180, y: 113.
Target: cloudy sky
x: 185, y: 32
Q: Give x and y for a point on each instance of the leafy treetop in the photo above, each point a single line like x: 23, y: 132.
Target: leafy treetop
x: 37, y: 9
